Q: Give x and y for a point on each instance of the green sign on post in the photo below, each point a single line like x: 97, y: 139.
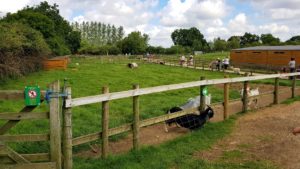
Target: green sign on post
x: 32, y: 95
x: 205, y: 91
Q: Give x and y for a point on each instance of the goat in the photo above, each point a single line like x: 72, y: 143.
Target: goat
x: 213, y: 65
x: 132, y: 65
x: 190, y: 121
x: 251, y: 92
x: 235, y: 69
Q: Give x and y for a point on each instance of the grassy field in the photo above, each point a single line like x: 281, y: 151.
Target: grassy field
x: 88, y: 78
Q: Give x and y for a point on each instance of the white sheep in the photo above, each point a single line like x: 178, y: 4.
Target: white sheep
x: 235, y: 69
x: 132, y: 65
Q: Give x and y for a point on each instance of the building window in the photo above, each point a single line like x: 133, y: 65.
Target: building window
x: 279, y: 52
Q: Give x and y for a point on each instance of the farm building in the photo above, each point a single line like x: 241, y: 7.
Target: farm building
x: 267, y: 57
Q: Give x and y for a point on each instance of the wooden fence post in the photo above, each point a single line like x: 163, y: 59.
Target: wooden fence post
x: 245, y: 97
x: 202, y: 96
x: 276, y: 88
x: 226, y: 98
x: 293, y: 86
x: 55, y: 126
x: 105, y: 123
x: 67, y: 133
x: 136, y: 120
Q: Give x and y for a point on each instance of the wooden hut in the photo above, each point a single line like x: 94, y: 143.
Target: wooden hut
x: 60, y: 62
x: 266, y: 57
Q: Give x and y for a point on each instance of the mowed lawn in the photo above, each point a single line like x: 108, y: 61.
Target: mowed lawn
x: 90, y: 75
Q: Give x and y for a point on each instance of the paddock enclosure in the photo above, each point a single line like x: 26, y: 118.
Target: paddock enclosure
x: 265, y: 57
x: 63, y: 141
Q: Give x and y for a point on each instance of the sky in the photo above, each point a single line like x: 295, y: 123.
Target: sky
x: 159, y: 18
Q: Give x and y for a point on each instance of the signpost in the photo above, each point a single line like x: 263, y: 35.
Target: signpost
x: 32, y: 95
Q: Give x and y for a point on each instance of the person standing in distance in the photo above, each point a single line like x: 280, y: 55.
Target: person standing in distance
x: 292, y: 66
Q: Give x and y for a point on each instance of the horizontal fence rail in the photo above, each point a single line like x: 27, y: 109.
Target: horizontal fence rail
x: 137, y: 92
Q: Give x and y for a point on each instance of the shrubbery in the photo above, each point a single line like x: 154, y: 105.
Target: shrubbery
x: 22, y: 50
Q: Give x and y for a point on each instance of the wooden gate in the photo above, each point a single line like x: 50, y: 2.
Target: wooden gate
x: 10, y: 158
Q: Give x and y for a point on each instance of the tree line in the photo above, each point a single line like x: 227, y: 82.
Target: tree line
x: 97, y: 33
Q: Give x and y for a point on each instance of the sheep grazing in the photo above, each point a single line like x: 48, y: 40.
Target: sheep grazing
x: 132, y: 65
x: 190, y: 121
x: 235, y: 69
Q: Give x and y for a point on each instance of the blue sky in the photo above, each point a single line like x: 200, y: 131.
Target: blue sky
x: 159, y: 18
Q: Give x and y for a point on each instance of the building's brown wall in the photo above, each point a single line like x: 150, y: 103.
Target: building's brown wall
x: 270, y: 59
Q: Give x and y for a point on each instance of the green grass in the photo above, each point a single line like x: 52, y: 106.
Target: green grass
x: 89, y: 77
x: 178, y: 153
x: 291, y: 100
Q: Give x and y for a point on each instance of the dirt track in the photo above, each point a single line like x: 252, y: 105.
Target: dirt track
x: 265, y: 134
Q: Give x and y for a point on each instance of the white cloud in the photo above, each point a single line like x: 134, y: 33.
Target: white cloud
x: 211, y: 17
x: 193, y: 12
x: 12, y: 5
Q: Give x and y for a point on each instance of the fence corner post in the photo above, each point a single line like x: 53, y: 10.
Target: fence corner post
x: 245, y: 97
x: 276, y: 92
x: 105, y: 124
x: 293, y: 86
x: 55, y: 126
x: 136, y: 120
x: 202, y: 96
x: 226, y: 98
x: 67, y: 132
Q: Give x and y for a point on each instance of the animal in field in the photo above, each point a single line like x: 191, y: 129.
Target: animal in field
x: 251, y: 92
x: 235, y: 69
x: 190, y: 121
x: 213, y: 65
x: 132, y: 65
x: 193, y: 120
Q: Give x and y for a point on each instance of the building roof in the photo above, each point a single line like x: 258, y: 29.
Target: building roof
x: 288, y: 47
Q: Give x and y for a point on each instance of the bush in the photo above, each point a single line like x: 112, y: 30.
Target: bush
x: 22, y: 50
x: 99, y: 50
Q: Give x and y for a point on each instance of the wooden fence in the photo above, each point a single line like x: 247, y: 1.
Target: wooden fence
x: 10, y: 158
x: 135, y: 93
x: 60, y: 156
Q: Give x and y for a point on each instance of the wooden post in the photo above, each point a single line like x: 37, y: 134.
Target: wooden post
x: 194, y: 63
x: 293, y: 86
x: 276, y: 87
x: 136, y: 120
x: 245, y: 97
x: 202, y: 97
x: 226, y: 98
x: 55, y: 126
x: 105, y: 123
x: 67, y: 133
x: 202, y: 64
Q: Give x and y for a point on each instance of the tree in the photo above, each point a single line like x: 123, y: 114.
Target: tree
x: 269, y: 39
x: 233, y: 42
x: 220, y: 44
x: 249, y: 39
x: 135, y: 43
x: 295, y: 40
x: 47, y: 20
x: 189, y: 38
